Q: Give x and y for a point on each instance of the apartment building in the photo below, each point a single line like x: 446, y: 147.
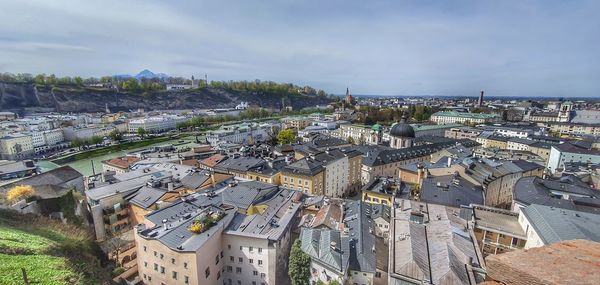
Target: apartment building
x: 361, y: 134
x: 16, y: 146
x: 119, y: 165
x: 463, y: 133
x: 497, y: 230
x: 297, y: 123
x: 238, y: 134
x: 199, y: 240
x: 453, y: 117
x: 156, y: 124
x: 567, y: 152
x: 305, y: 175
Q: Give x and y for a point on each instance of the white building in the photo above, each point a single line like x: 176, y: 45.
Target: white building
x: 569, y: 153
x: 16, y: 146
x: 240, y: 133
x: 156, y: 124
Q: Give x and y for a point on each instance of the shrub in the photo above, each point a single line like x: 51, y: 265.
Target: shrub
x: 19, y: 192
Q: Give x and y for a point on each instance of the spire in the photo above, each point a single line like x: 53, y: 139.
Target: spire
x: 347, y: 91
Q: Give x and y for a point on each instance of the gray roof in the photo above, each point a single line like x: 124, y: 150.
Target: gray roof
x: 450, y: 190
x: 124, y: 187
x: 147, y: 196
x: 242, y: 163
x: 306, y: 166
x: 358, y: 220
x: 534, y: 190
x: 586, y: 117
x: 56, y: 176
x: 554, y: 224
x: 498, y: 220
x: 326, y: 247
x: 195, y: 179
x: 379, y: 156
x: 433, y: 248
x: 245, y: 194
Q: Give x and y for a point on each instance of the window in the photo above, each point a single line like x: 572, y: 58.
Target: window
x: 251, y: 249
x: 241, y: 259
x: 229, y: 268
x: 149, y: 278
x: 253, y: 282
x: 217, y: 259
x: 145, y: 264
x: 161, y: 256
x: 186, y: 280
x: 207, y: 272
x: 231, y: 258
x: 162, y: 270
x: 174, y: 275
x: 172, y: 260
x: 228, y: 246
x: 241, y: 247
x: 259, y: 262
x: 238, y: 270
x: 145, y: 248
x: 218, y: 275
x: 251, y: 260
x: 255, y: 273
x: 155, y: 253
x: 145, y: 276
x: 221, y: 254
x: 260, y: 250
x: 262, y: 275
x: 185, y: 265
x: 155, y: 267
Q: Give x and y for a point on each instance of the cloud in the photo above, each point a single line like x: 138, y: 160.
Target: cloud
x: 379, y: 47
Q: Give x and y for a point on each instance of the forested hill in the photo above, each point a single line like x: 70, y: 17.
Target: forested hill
x: 19, y: 96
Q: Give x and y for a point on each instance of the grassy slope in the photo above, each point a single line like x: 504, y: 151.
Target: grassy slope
x: 52, y: 253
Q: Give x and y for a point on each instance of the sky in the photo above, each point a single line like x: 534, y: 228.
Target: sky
x: 459, y: 47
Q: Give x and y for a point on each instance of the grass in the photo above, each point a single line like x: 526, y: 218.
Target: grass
x: 51, y: 252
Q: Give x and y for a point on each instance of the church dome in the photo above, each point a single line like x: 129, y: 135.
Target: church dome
x: 403, y: 130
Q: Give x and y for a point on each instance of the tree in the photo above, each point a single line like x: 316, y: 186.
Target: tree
x: 19, y: 192
x: 95, y: 140
x: 115, y: 135
x: 299, y: 269
x: 286, y: 136
x: 141, y: 132
x: 351, y: 140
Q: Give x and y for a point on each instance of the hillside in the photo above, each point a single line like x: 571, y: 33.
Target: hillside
x: 19, y: 96
x: 51, y: 252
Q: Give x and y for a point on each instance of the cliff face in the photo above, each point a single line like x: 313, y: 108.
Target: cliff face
x: 14, y: 96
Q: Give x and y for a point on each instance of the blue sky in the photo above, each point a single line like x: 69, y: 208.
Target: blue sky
x: 520, y: 48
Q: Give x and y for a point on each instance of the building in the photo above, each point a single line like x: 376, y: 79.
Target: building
x: 361, y: 134
x: 16, y: 146
x: 575, y: 129
x: 239, y: 134
x: 383, y: 190
x: 305, y: 175
x: 497, y: 230
x: 568, y: 152
x: 240, y: 235
x: 156, y: 124
x: 450, y: 190
x: 453, y: 117
x: 431, y: 246
x: 433, y: 130
x: 348, y: 256
x: 567, y: 262
x: 297, y: 123
x: 463, y: 133
x: 119, y: 165
x: 545, y: 225
x: 402, y: 135
x: 16, y: 169
x: 480, y: 100
x: 553, y: 193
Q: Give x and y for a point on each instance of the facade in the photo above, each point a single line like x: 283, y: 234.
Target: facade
x: 361, y: 134
x: 402, y: 135
x: 119, y: 165
x: 297, y: 123
x: 463, y: 133
x: 463, y: 118
x: 239, y: 134
x: 496, y: 230
x: 240, y: 244
x: 566, y: 153
x: 433, y: 130
x: 156, y: 124
x: 590, y: 129
x: 16, y: 146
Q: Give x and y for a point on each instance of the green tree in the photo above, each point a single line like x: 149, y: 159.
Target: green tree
x: 96, y: 140
x: 78, y: 143
x: 334, y: 282
x: 299, y: 266
x: 115, y: 135
x: 286, y: 136
x: 141, y: 132
x: 351, y: 140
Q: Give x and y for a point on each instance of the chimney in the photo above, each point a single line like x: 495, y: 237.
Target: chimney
x: 449, y: 161
x: 165, y: 227
x: 170, y: 186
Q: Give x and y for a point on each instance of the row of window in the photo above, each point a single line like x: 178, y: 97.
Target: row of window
x: 250, y: 260
x: 250, y: 249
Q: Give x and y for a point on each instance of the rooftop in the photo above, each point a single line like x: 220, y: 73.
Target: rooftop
x: 498, y: 220
x: 567, y: 262
x: 555, y: 224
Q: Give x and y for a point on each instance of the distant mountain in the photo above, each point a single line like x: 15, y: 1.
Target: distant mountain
x: 144, y: 74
